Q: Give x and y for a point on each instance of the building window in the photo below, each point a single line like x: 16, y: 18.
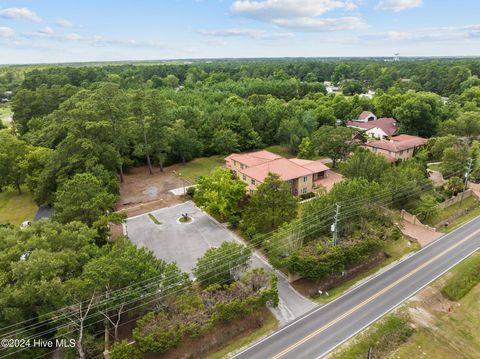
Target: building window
x: 234, y: 172
x: 252, y: 182
x: 401, y: 152
x: 242, y: 166
x: 244, y: 177
x: 304, y: 190
x: 305, y: 178
x: 235, y: 163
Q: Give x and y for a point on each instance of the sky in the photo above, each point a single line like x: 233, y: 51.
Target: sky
x: 52, y: 31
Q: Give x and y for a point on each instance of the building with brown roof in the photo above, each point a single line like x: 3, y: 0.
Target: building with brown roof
x: 380, y: 129
x: 367, y: 116
x: 398, y: 148
x: 254, y: 167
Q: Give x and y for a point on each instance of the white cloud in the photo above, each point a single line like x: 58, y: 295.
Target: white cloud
x: 301, y: 15
x: 46, y: 30
x: 6, y: 32
x: 17, y: 13
x: 398, y: 5
x: 278, y: 9
x: 238, y: 32
x: 426, y: 35
x: 71, y: 36
x: 322, y: 24
x: 64, y: 23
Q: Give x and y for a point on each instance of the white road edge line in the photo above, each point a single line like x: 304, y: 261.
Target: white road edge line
x: 399, y: 303
x: 313, y: 311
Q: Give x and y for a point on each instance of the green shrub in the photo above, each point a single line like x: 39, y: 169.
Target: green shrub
x: 191, y: 191
x: 466, y: 277
x: 315, y: 263
x: 247, y: 230
x: 234, y: 221
x: 159, y: 336
x: 121, y: 350
x: 154, y: 219
x: 307, y: 195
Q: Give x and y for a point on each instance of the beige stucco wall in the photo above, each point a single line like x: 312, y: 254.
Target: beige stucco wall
x: 308, y: 184
x: 297, y: 184
x: 404, y: 155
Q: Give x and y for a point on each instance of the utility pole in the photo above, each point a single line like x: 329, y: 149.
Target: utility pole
x: 335, y: 225
x: 467, y: 175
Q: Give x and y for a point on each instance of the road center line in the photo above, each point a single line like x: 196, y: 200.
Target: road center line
x: 373, y: 297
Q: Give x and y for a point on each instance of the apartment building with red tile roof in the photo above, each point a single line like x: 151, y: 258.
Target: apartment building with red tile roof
x: 398, y: 148
x: 254, y: 167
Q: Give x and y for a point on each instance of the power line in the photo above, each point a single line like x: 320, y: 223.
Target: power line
x: 159, y: 282
x: 305, y: 222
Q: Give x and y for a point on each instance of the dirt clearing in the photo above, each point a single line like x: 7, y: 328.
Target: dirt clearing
x: 141, y: 192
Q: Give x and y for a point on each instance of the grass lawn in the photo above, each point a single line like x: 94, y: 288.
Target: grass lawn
x: 435, y: 167
x: 463, y: 219
x: 283, y: 151
x: 15, y: 208
x: 453, y: 335
x: 5, y: 111
x: 395, y: 249
x: 383, y: 337
x: 450, y: 211
x: 268, y: 327
x: 198, y: 167
x: 448, y: 335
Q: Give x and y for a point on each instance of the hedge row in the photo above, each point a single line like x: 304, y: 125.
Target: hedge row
x: 319, y: 261
x: 467, y: 276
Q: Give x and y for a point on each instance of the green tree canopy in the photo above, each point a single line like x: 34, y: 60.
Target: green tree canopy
x: 82, y: 198
x: 271, y: 205
x: 222, y: 265
x: 366, y: 164
x: 427, y: 208
x: 334, y: 142
x: 12, y: 153
x: 220, y: 193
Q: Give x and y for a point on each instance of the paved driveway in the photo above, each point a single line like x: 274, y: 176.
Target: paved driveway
x: 178, y: 242
x: 184, y: 243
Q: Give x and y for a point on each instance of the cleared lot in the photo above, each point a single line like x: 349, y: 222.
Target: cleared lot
x: 174, y: 241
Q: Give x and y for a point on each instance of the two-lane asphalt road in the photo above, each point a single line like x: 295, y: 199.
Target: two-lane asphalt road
x: 321, y: 330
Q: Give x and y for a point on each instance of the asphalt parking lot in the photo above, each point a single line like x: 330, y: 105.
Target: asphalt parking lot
x: 184, y: 243
x: 178, y: 242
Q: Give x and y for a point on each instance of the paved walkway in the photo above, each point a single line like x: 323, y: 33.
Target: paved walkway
x: 330, y: 180
x: 475, y: 188
x: 421, y: 235
x: 436, y: 177
x: 181, y: 190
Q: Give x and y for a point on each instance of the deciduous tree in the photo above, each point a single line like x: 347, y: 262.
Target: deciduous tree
x: 271, y: 205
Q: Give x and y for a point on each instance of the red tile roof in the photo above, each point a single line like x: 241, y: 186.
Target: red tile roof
x: 286, y: 169
x: 252, y: 158
x: 315, y: 166
x: 386, y: 124
x: 365, y: 114
x: 261, y: 163
x: 405, y: 138
x: 398, y: 143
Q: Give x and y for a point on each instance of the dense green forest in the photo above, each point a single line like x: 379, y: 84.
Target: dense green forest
x: 77, y: 129
x: 101, y: 120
